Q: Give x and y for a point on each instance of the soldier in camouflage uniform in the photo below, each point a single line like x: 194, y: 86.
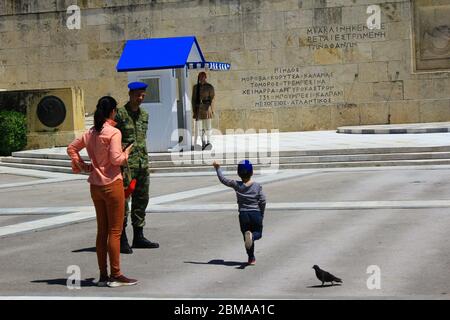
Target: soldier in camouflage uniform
x: 132, y: 121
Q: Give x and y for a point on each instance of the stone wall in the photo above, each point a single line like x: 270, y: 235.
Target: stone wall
x: 296, y: 65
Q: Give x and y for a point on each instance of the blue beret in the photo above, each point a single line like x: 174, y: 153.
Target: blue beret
x: 245, y: 167
x: 137, y: 86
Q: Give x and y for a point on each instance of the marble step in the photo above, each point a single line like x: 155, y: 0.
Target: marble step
x: 60, y: 153
x: 189, y: 163
x: 312, y: 165
x: 233, y: 167
x: 307, y: 159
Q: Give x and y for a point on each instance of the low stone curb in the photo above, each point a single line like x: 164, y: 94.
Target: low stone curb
x: 392, y: 131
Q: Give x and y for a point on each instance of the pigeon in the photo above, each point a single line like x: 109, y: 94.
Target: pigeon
x: 324, y: 276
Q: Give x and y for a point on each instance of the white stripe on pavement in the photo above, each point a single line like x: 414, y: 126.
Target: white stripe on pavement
x: 83, y: 214
x: 43, y: 224
x: 65, y: 219
x: 43, y: 181
x: 42, y: 210
x: 339, y: 205
x: 35, y: 173
x: 88, y: 213
x: 220, y: 207
x: 219, y: 188
x: 45, y: 177
x: 349, y: 205
x: 159, y: 204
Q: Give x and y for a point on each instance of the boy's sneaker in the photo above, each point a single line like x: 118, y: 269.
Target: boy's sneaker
x: 121, y: 281
x: 103, y: 281
x: 252, y: 261
x: 248, y: 239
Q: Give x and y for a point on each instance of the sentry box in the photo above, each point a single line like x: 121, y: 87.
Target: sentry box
x: 163, y: 64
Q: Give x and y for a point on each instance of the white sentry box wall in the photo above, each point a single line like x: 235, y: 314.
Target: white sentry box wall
x: 172, y: 114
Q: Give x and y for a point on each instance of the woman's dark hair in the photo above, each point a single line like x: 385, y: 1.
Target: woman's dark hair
x: 105, y: 106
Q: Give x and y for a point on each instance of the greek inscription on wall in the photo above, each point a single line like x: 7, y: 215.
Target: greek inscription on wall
x: 292, y: 86
x: 342, y: 36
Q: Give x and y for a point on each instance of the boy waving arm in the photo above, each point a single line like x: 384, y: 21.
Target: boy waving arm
x: 228, y: 182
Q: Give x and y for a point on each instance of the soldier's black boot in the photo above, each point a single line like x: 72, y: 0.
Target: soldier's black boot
x: 140, y: 242
x: 124, y: 246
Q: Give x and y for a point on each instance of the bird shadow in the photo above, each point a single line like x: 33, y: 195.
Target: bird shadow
x: 220, y: 262
x: 89, y: 282
x: 91, y: 249
x: 324, y: 286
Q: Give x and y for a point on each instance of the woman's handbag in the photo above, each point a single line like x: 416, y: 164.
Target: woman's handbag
x: 132, y: 185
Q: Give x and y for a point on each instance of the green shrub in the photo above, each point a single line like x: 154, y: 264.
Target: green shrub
x: 13, y: 132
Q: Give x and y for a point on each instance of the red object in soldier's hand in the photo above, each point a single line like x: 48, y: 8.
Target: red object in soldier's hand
x: 130, y: 188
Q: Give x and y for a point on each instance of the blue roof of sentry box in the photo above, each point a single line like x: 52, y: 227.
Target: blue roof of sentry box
x: 159, y: 53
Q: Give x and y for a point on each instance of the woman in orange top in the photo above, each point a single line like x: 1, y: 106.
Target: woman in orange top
x: 103, y: 145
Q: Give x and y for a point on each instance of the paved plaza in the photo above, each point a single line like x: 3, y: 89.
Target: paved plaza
x: 342, y: 219
x: 342, y: 107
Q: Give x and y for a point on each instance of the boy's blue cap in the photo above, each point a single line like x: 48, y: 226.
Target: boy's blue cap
x: 245, y: 167
x: 137, y: 86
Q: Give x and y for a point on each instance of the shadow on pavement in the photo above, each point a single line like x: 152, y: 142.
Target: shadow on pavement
x: 220, y: 262
x: 89, y: 282
x: 91, y: 249
x: 325, y: 286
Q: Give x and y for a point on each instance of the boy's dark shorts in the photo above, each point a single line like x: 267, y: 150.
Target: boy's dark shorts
x: 251, y: 221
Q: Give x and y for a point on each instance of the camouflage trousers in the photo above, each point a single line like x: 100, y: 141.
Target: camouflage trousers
x: 140, y: 197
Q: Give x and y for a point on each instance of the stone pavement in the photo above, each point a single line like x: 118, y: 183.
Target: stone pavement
x: 308, y: 140
x: 343, y: 219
